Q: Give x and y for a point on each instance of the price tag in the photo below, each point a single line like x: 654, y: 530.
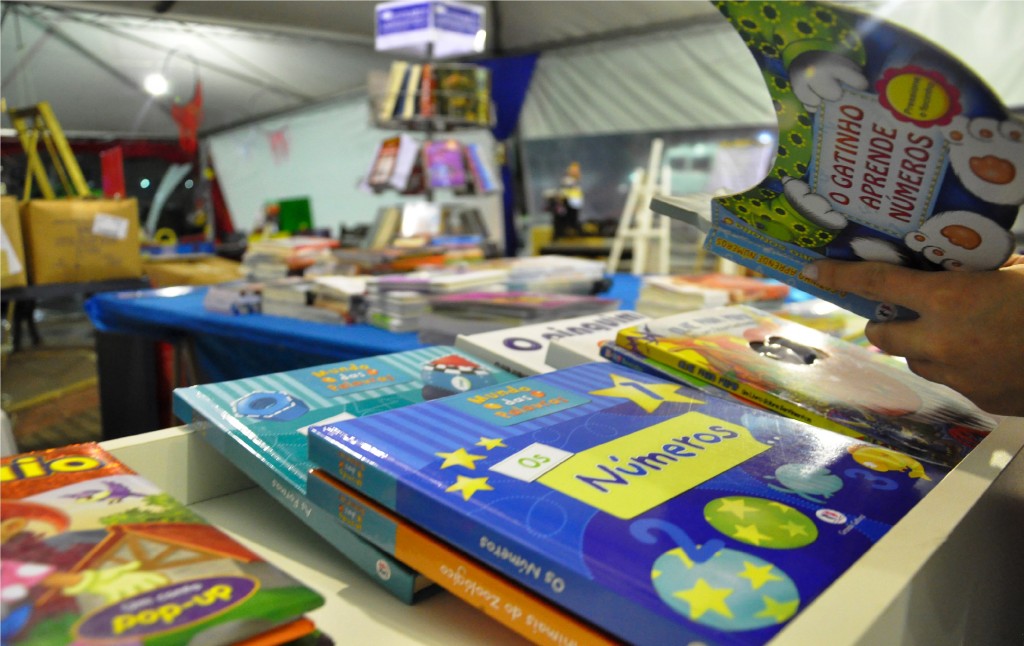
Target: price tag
x: 105, y: 225
x: 532, y: 462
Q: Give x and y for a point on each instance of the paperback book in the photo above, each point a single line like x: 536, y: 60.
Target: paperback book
x: 523, y: 349
x: 95, y: 553
x: 444, y: 164
x: 814, y: 377
x: 259, y: 424
x: 658, y: 514
x: 890, y: 149
x: 495, y: 595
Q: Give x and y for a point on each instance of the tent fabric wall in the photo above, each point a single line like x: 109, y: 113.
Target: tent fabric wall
x: 703, y: 77
x: 320, y: 153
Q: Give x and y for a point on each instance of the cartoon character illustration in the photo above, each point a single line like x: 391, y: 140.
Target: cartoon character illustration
x: 814, y: 483
x: 112, y: 492
x: 271, y: 406
x: 815, y: 60
x: 883, y: 460
x: 453, y: 374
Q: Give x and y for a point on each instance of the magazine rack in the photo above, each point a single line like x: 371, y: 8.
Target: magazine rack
x: 949, y: 572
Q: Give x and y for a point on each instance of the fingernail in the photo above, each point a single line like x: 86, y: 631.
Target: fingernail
x: 810, y: 271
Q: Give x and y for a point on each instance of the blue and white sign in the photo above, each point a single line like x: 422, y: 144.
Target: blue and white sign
x: 435, y: 28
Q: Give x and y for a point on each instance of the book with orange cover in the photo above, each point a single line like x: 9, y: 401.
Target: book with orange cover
x: 511, y: 604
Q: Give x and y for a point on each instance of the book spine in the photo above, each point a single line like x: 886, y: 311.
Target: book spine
x: 514, y: 556
x: 744, y: 391
x: 467, y: 579
x: 394, y: 576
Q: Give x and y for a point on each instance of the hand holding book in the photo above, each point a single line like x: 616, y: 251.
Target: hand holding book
x: 969, y: 334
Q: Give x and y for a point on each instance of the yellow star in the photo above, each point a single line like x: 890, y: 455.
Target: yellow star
x: 793, y: 529
x: 459, y: 458
x: 702, y: 598
x: 749, y: 534
x: 780, y: 612
x: 735, y: 506
x: 758, y: 576
x: 781, y: 507
x: 490, y: 442
x: 647, y: 396
x: 469, y: 486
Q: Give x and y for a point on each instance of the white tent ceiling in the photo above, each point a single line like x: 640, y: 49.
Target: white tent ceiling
x: 261, y: 58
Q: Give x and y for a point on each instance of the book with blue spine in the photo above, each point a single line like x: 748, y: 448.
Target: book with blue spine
x: 653, y: 511
x: 258, y: 423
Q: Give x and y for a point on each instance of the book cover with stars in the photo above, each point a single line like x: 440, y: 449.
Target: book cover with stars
x: 259, y: 424
x: 655, y: 512
x: 816, y: 378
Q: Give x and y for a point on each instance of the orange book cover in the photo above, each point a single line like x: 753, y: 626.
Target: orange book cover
x: 487, y: 591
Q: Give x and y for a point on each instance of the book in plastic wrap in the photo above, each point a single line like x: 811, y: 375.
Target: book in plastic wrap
x: 495, y: 595
x: 259, y: 424
x: 658, y: 514
x: 889, y: 149
x: 94, y: 553
x: 815, y: 377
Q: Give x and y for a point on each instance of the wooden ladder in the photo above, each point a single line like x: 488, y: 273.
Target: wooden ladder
x: 649, y: 241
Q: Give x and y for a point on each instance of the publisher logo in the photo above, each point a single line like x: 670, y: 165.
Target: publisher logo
x: 383, y: 569
x: 831, y: 516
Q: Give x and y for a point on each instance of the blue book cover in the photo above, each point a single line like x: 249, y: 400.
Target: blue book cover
x: 657, y: 513
x: 259, y: 424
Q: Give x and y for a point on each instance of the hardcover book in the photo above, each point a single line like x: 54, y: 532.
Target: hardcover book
x: 496, y: 596
x: 95, y: 553
x: 523, y: 349
x: 889, y: 149
x: 259, y: 424
x: 814, y: 377
x: 658, y: 514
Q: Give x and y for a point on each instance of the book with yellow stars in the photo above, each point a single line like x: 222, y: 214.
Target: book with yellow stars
x: 259, y: 424
x: 657, y: 513
x: 814, y: 377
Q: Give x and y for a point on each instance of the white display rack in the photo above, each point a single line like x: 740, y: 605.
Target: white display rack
x: 950, y: 572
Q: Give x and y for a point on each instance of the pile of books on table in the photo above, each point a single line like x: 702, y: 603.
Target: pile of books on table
x: 686, y: 492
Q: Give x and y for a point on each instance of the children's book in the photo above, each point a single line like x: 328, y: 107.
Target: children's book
x: 395, y: 84
x: 410, y: 100
x: 480, y: 170
x: 656, y: 513
x: 523, y: 349
x: 814, y: 377
x: 889, y: 149
x: 566, y: 351
x: 95, y: 553
x: 495, y: 595
x: 444, y: 165
x: 259, y: 424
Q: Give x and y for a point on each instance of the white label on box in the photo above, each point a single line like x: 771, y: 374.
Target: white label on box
x: 13, y: 264
x: 532, y: 462
x: 106, y: 225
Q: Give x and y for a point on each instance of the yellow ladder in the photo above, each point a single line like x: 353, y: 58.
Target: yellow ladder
x: 36, y: 123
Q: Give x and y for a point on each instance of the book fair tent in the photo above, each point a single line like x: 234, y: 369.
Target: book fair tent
x: 277, y: 92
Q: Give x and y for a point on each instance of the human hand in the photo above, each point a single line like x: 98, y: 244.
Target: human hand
x: 970, y: 331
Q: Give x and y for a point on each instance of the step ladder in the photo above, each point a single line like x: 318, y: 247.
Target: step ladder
x: 37, y: 123
x: 649, y: 240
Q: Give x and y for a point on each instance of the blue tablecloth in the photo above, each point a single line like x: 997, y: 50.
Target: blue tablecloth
x: 233, y: 347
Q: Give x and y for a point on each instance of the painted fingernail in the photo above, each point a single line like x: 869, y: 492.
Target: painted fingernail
x: 810, y: 271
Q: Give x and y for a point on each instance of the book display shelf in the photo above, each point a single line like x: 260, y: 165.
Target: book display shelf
x: 948, y: 572
x: 426, y: 99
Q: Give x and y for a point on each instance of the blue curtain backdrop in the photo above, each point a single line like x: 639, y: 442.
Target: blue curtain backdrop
x: 510, y: 80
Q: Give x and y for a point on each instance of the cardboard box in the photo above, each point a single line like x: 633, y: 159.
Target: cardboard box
x: 81, y: 240
x: 13, y: 270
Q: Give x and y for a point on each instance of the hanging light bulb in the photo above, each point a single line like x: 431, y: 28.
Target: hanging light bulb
x: 156, y: 84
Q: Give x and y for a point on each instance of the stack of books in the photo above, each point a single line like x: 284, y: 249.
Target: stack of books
x: 485, y: 311
x: 397, y: 301
x: 662, y: 295
x: 324, y: 299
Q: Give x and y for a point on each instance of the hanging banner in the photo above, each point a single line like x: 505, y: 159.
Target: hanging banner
x: 435, y: 29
